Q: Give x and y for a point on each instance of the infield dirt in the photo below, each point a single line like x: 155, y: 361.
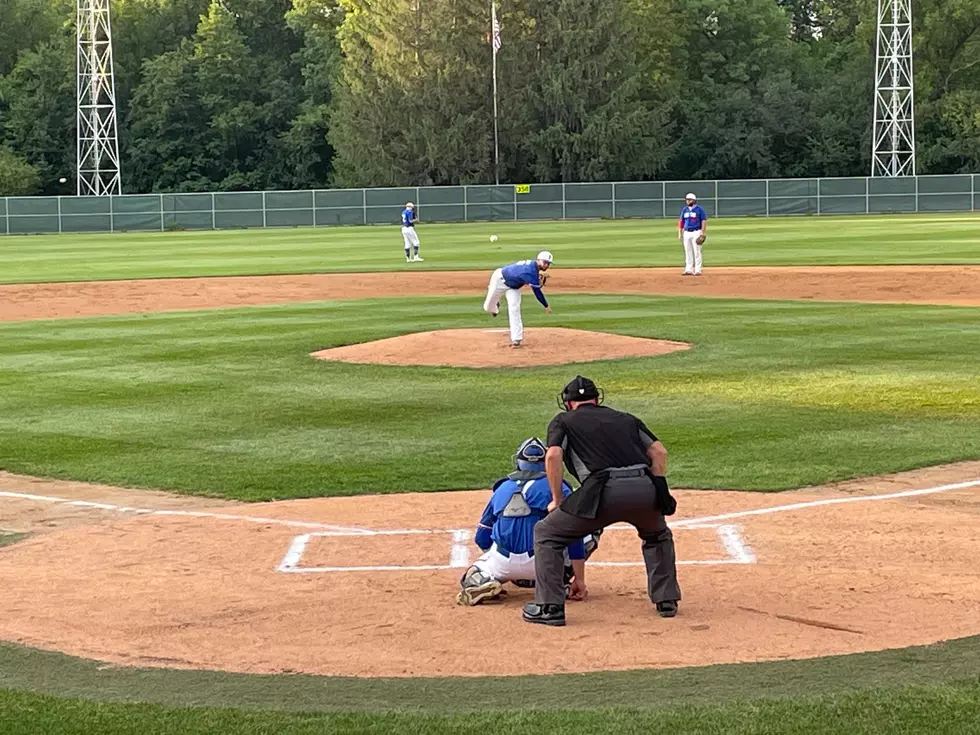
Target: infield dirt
x: 206, y: 591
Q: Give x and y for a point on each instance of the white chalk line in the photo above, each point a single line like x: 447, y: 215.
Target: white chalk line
x: 729, y: 535
x: 345, y: 530
x: 828, y: 501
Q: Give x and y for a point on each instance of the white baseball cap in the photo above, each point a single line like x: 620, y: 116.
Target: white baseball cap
x: 545, y: 256
x: 690, y: 195
x: 409, y: 205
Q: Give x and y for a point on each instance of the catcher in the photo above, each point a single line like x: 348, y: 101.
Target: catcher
x: 506, y: 533
x: 691, y: 230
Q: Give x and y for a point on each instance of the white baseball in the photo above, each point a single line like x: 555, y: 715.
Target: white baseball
x: 493, y: 238
x: 62, y: 180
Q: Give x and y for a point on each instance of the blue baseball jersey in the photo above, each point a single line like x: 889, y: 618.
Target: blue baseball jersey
x: 524, y: 273
x: 516, y: 534
x: 693, y: 217
x: 408, y: 218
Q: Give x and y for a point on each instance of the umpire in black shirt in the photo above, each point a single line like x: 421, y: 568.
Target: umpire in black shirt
x: 621, y: 466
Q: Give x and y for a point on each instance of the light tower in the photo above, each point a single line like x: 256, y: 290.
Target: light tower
x: 894, y: 123
x: 97, y: 134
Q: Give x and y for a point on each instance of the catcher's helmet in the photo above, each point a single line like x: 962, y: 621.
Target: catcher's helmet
x: 530, y: 455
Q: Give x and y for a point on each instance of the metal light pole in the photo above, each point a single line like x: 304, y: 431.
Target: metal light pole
x: 893, y: 151
x: 97, y: 134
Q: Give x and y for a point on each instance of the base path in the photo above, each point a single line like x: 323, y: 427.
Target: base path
x: 953, y: 285
x: 364, y: 586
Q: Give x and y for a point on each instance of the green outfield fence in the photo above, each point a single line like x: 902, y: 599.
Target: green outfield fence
x: 639, y: 199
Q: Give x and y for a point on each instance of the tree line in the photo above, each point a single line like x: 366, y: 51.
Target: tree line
x: 220, y: 95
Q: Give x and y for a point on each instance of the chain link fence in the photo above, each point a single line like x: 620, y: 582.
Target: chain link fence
x: 613, y: 200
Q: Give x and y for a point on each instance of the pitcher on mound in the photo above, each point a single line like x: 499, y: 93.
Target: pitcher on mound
x: 509, y: 281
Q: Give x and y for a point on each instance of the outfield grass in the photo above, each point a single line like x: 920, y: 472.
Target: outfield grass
x: 904, y: 239
x: 228, y: 403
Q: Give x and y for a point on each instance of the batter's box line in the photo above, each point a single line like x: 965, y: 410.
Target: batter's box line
x: 730, y: 536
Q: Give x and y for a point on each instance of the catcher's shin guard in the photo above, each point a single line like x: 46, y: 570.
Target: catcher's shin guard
x: 477, y: 587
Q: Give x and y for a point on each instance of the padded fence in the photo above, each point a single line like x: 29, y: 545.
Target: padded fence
x: 639, y: 199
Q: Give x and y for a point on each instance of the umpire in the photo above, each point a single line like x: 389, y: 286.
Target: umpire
x: 621, y: 466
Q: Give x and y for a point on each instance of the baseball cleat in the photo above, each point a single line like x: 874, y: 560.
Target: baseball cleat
x: 475, y: 595
x: 419, y: 259
x: 667, y: 608
x: 687, y: 273
x: 515, y: 344
x: 544, y: 614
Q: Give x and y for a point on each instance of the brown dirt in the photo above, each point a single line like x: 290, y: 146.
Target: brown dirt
x: 203, y: 592
x: 955, y: 285
x: 483, y: 348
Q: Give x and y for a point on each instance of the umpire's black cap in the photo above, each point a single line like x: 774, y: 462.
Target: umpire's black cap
x: 580, y: 389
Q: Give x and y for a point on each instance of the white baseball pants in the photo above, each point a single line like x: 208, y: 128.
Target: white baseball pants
x: 505, y: 568
x: 411, y: 237
x: 692, y: 252
x: 498, y: 288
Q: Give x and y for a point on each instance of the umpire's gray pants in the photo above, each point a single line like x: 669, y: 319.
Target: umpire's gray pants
x: 630, y: 500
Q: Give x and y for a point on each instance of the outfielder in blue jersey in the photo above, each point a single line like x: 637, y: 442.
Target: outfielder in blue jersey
x: 411, y: 238
x: 691, y: 230
x: 506, y: 530
x: 510, y: 280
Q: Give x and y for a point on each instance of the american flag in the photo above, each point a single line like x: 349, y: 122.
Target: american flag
x: 495, y: 34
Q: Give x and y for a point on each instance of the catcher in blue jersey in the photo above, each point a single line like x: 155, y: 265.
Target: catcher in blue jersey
x: 506, y: 533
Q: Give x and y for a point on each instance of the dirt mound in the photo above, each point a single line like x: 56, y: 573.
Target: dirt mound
x: 483, y: 348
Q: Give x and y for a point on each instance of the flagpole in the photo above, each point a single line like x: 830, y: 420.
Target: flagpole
x: 496, y: 134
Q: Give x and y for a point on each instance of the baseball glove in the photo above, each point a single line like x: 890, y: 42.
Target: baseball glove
x: 701, y: 239
x: 544, y: 278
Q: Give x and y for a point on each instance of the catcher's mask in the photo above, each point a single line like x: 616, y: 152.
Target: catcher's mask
x: 579, y: 390
x: 530, y: 455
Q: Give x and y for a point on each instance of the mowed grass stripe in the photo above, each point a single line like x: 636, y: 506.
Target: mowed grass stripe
x: 228, y: 403
x: 905, y: 239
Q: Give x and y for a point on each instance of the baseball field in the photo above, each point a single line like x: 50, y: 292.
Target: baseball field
x: 205, y: 528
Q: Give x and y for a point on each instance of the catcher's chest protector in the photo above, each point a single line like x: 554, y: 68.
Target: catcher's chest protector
x: 517, y: 506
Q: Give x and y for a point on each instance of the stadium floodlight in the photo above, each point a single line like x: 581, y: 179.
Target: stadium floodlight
x: 97, y: 135
x: 893, y: 152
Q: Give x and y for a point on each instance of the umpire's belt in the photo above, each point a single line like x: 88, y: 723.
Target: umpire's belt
x: 621, y: 473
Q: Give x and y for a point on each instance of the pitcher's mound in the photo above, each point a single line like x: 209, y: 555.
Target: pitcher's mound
x: 482, y: 348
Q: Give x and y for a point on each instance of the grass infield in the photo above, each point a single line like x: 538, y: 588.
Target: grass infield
x: 229, y: 403
x: 867, y: 240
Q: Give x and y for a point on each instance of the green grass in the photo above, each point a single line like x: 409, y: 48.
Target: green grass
x: 902, y: 239
x: 774, y: 395
x: 9, y: 538
x: 950, y: 708
x: 58, y: 675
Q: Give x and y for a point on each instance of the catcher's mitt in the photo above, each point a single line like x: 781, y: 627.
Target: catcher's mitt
x: 701, y: 239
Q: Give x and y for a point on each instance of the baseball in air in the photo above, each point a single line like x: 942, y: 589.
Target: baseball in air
x: 493, y: 238
x: 62, y: 180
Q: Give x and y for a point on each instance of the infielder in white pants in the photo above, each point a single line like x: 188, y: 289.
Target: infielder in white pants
x: 691, y: 227
x: 411, y: 238
x: 506, y: 531
x: 508, y: 282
